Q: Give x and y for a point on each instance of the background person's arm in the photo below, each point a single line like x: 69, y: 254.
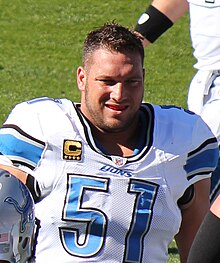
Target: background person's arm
x: 159, y: 17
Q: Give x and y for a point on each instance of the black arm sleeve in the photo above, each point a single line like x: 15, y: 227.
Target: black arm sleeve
x: 187, y: 196
x: 206, y: 245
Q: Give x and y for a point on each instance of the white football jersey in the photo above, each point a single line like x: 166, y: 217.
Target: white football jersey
x: 103, y: 208
x: 205, y: 34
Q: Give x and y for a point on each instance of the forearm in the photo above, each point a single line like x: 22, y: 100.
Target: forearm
x: 21, y: 175
x: 173, y: 9
x: 158, y: 18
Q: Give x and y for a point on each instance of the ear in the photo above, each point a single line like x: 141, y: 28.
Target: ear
x: 81, y: 78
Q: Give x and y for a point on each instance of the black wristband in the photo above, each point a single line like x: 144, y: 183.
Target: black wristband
x: 152, y: 24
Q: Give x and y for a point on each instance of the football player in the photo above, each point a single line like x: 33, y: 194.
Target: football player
x: 114, y: 179
x: 204, y: 90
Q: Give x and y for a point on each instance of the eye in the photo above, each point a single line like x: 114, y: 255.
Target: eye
x: 108, y: 82
x: 133, y: 82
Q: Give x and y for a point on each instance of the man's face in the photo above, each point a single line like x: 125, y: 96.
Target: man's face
x: 112, y: 87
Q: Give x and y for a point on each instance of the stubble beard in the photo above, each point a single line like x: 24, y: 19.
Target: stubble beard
x: 113, y: 125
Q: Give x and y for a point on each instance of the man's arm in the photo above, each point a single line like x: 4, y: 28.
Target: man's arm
x: 193, y: 214
x: 215, y: 208
x: 159, y: 17
x: 21, y: 175
x: 174, y: 9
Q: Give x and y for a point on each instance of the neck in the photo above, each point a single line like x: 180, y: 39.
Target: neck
x: 120, y: 143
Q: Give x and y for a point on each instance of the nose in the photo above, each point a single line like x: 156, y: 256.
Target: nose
x: 117, y: 92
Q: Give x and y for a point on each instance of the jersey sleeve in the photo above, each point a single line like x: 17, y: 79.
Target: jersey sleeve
x: 21, y: 137
x: 24, y: 138
x: 188, y: 139
x: 203, y: 153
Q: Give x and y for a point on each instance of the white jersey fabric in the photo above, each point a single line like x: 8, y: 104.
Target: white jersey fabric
x: 102, y: 208
x: 205, y: 33
x: 204, y: 90
x: 205, y: 36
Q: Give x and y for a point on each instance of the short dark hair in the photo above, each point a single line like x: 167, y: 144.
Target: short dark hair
x: 113, y: 37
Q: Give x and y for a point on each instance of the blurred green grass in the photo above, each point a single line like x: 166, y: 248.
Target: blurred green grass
x: 40, y: 49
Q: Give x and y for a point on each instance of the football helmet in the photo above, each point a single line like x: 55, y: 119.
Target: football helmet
x: 17, y: 219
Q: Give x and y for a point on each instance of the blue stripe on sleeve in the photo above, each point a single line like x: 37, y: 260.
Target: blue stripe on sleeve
x: 204, y: 161
x: 12, y: 146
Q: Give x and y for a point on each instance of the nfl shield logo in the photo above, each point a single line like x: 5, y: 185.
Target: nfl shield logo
x: 119, y: 161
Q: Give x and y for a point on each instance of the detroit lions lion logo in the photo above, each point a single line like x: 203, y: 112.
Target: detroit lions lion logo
x: 24, y: 209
